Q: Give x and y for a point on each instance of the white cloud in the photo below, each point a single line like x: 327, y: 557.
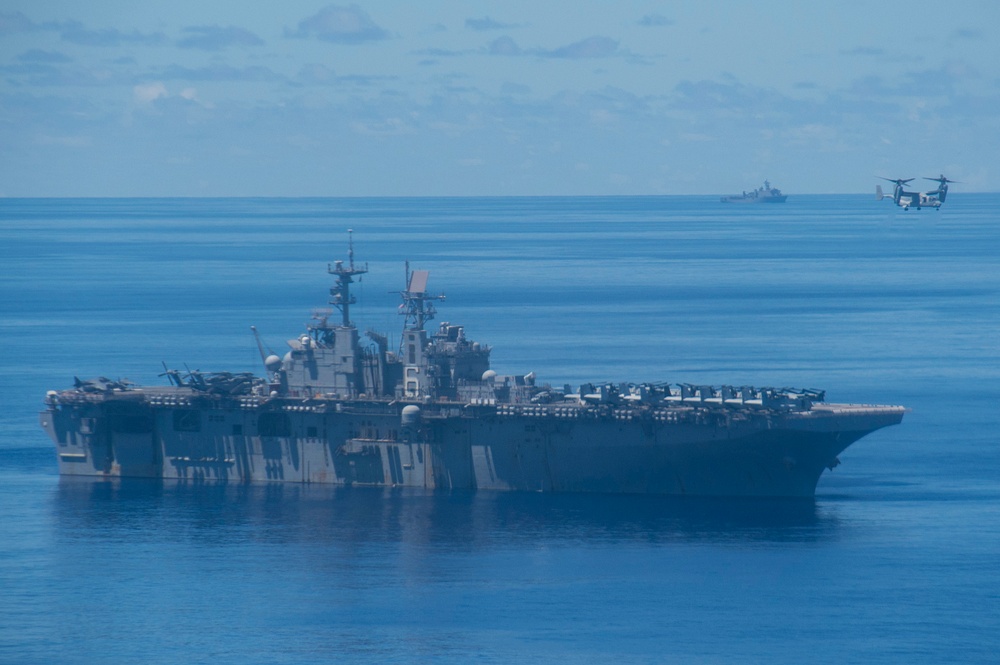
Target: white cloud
x: 191, y: 95
x: 147, y: 93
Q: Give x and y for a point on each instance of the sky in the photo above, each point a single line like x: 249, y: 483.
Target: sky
x: 466, y: 98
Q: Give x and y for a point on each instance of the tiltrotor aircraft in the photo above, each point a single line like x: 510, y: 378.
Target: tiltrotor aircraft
x: 905, y: 199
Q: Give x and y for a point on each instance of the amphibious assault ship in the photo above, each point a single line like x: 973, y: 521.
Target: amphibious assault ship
x: 343, y: 408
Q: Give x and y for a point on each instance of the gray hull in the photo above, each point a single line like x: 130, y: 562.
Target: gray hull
x: 754, y: 199
x: 341, y: 410
x: 765, y: 194
x: 459, y: 446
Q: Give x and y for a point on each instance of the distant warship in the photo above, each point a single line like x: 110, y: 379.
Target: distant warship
x: 765, y: 194
x: 343, y: 409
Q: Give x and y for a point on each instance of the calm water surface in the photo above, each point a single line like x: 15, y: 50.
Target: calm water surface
x: 895, y: 560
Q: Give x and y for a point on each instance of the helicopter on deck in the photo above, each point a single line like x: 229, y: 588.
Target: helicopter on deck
x: 918, y: 200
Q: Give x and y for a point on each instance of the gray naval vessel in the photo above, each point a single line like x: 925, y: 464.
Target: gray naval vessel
x: 343, y: 408
x: 765, y: 194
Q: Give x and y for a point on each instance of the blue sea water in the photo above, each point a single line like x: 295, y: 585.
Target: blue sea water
x: 896, y: 560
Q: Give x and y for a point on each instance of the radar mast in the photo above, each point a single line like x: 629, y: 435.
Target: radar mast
x: 417, y: 306
x: 341, y: 291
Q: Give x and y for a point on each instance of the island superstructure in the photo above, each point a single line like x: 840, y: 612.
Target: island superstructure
x: 343, y: 408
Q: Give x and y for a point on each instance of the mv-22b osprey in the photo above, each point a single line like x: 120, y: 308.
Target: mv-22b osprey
x: 905, y: 199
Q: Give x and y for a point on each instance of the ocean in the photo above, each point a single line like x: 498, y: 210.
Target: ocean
x: 896, y: 559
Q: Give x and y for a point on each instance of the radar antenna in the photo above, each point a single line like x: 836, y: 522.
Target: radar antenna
x: 417, y: 306
x: 341, y: 291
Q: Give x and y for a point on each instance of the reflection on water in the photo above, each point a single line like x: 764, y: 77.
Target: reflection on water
x: 292, y: 513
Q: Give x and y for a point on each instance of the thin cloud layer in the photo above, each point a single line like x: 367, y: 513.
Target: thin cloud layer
x: 340, y: 25
x: 48, y: 57
x: 654, y: 21
x: 504, y: 46
x: 486, y: 23
x: 12, y: 23
x: 609, y: 95
x: 591, y: 47
x: 216, y: 72
x: 217, y: 38
x: 76, y: 33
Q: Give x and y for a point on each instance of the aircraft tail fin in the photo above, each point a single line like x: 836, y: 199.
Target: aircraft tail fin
x: 878, y: 193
